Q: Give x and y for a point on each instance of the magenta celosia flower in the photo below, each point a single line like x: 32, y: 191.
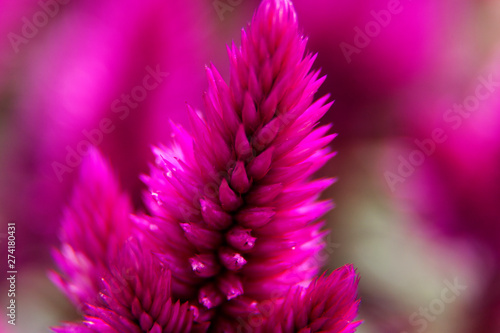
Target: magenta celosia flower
x: 136, y: 297
x: 105, y: 271
x: 95, y: 225
x: 234, y: 218
x: 319, y: 307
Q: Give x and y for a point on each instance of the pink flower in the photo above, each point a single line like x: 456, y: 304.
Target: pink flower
x: 136, y: 297
x: 328, y: 304
x: 95, y: 226
x: 234, y: 217
x: 69, y: 86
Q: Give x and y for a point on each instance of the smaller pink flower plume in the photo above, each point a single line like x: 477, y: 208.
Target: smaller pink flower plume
x: 234, y: 227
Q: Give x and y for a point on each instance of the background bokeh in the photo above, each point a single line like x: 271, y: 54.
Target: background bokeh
x: 416, y: 86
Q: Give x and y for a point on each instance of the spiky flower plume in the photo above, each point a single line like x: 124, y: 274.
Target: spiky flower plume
x: 136, y: 297
x: 95, y: 225
x: 328, y: 304
x: 234, y: 230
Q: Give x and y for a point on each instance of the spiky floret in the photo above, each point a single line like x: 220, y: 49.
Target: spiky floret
x: 117, y: 284
x: 328, y: 304
x: 136, y: 297
x: 235, y: 213
x: 95, y: 225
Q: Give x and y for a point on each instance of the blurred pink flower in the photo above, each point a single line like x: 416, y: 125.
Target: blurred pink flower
x: 471, y: 158
x: 69, y: 88
x: 376, y: 52
x: 456, y: 188
x: 95, y: 226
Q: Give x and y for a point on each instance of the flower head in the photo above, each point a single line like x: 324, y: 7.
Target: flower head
x: 136, y: 297
x: 328, y: 304
x: 234, y: 217
x: 95, y: 225
x: 234, y: 209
